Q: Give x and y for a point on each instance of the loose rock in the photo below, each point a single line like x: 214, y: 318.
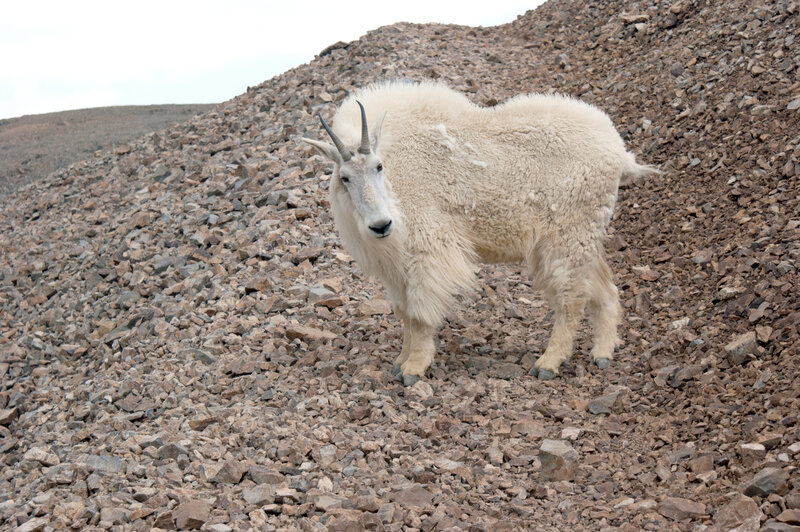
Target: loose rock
x: 559, y: 460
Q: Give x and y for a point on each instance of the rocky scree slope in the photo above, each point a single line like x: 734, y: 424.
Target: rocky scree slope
x: 185, y: 344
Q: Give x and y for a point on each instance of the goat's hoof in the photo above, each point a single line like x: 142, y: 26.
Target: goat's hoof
x: 410, y: 380
x: 546, y: 375
x: 602, y: 363
x: 396, y: 370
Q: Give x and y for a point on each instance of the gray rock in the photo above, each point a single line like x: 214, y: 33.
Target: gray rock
x: 751, y: 453
x: 171, y: 450
x: 259, y: 495
x: 327, y: 455
x: 110, y: 465
x: 116, y: 516
x: 679, y: 509
x: 605, y: 404
x: 265, y: 475
x: 41, y: 455
x: 191, y: 514
x: 738, y: 350
x: 741, y: 511
x: 231, y: 472
x: 559, y: 460
x: 773, y: 525
x: 768, y: 480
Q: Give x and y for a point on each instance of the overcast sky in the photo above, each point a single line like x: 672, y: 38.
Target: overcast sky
x: 57, y: 55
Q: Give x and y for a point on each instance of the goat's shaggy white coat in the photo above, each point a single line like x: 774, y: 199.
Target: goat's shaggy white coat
x: 531, y: 181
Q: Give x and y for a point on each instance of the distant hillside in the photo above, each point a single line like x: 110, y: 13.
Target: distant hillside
x: 32, y: 146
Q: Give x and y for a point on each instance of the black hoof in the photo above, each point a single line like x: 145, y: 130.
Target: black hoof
x: 546, y: 375
x: 534, y: 371
x: 602, y: 363
x: 410, y: 380
x: 396, y: 371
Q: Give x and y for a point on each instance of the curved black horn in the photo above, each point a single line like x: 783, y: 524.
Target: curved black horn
x: 365, y: 147
x: 336, y: 142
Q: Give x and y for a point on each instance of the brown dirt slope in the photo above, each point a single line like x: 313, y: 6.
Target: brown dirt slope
x: 185, y: 343
x: 33, y: 146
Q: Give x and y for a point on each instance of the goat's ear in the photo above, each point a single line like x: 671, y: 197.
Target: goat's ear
x: 376, y: 132
x: 325, y: 149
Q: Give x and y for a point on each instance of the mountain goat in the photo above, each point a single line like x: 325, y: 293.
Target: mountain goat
x: 438, y: 184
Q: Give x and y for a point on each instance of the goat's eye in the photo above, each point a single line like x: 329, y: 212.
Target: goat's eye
x: 380, y: 167
x: 345, y: 179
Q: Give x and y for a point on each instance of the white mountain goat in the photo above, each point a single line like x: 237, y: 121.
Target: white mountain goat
x: 441, y: 184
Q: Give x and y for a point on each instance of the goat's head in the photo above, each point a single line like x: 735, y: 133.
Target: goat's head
x: 359, y: 174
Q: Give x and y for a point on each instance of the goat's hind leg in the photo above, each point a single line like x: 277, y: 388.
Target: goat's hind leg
x: 604, y: 313
x: 568, y: 307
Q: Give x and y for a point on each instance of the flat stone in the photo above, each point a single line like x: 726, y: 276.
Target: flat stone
x: 116, y: 516
x: 165, y: 521
x: 41, y: 455
x: 768, y: 480
x: 679, y: 509
x: 231, y: 472
x: 8, y: 415
x: 202, y: 423
x: 265, y: 475
x: 104, y: 464
x: 791, y: 516
x: 33, y: 525
x: 259, y: 494
x: 741, y: 511
x: 773, y: 525
x: 559, y: 460
x: 412, y: 497
x: 360, y: 412
x: 373, y: 307
x: 507, y: 371
x: 324, y: 297
x: 287, y: 496
x: 191, y: 514
x: 605, y: 404
x: 61, y: 474
x: 738, y: 350
x: 171, y: 450
x: 701, y: 464
x: 199, y: 355
x: 327, y: 455
x: 751, y: 453
x: 327, y: 501
x: 421, y: 390
x: 346, y: 520
x: 294, y: 331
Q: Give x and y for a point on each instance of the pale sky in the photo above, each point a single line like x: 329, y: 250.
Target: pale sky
x: 57, y: 55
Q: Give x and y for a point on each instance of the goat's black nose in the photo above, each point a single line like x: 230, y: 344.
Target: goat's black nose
x: 381, y: 228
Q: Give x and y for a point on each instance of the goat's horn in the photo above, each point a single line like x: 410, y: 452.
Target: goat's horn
x: 364, y: 148
x: 338, y: 143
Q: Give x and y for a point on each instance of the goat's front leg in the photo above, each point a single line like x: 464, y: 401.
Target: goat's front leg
x: 406, y: 349
x: 417, y: 352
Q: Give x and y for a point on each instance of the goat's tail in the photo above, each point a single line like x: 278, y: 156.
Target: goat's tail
x: 631, y: 170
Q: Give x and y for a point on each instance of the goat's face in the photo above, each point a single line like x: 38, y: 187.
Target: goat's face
x: 362, y: 179
x: 359, y: 174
